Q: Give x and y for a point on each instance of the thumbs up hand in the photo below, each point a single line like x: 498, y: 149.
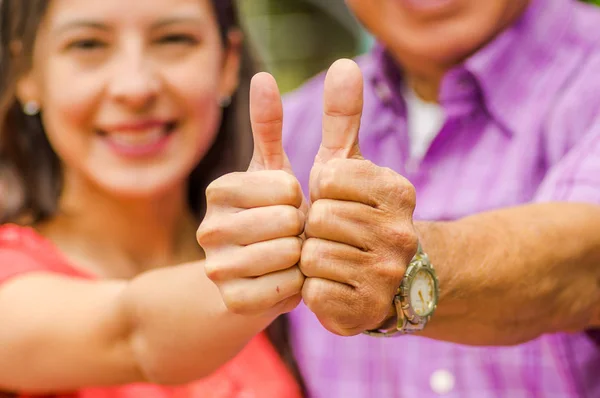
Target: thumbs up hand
x: 250, y: 233
x: 359, y: 229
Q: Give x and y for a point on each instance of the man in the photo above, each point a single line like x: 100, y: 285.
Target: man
x: 491, y: 109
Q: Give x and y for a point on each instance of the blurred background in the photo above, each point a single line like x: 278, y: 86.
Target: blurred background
x: 299, y: 38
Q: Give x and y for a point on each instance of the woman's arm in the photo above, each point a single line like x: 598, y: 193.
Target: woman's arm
x: 170, y: 325
x: 166, y: 326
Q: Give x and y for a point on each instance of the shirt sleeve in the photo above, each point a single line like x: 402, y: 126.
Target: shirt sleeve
x: 15, y: 262
x: 576, y: 177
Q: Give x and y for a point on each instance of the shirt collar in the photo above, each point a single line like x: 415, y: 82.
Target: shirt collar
x: 514, y: 71
x: 509, y: 73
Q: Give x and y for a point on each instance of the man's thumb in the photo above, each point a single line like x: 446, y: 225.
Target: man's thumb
x: 342, y: 111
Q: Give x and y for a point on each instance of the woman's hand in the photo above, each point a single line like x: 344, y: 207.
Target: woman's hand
x: 251, y: 232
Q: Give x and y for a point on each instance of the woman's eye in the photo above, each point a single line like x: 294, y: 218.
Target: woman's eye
x: 88, y: 44
x: 178, y: 39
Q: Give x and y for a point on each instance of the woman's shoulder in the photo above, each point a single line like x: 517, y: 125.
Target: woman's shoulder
x: 23, y: 249
x: 26, y: 240
x: 11, y: 234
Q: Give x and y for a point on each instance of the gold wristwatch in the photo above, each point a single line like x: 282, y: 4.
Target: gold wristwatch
x: 415, y: 301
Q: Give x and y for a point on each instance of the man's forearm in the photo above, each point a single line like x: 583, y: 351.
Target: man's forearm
x: 509, y: 275
x: 181, y: 330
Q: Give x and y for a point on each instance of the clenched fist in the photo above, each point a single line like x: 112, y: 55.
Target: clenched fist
x: 251, y: 232
x: 360, y: 234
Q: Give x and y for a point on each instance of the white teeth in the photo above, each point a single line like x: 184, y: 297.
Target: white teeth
x: 137, y: 139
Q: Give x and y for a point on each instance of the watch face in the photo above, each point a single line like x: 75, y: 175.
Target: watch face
x: 422, y: 293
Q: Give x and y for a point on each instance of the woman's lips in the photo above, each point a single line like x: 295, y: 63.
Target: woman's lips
x: 146, y: 138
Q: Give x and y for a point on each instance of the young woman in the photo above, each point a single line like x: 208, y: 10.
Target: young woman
x: 114, y: 117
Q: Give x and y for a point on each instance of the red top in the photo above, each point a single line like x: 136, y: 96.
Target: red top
x: 257, y: 371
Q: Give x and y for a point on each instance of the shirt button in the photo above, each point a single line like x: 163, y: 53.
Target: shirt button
x: 441, y: 381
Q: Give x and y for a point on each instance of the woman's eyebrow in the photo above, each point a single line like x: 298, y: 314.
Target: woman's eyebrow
x: 80, y: 23
x: 90, y: 23
x: 177, y: 20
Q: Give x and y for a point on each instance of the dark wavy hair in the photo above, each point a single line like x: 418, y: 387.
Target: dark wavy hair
x: 26, y: 154
x: 29, y: 165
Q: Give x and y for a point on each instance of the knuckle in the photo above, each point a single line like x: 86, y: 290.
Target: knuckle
x: 298, y: 280
x: 313, y: 294
x: 310, y: 256
x: 225, y: 266
x: 297, y: 220
x: 210, y: 233
x: 293, y: 251
x: 235, y: 299
x: 329, y: 177
x: 301, y: 222
x: 409, y: 195
x: 388, y: 271
x: 200, y: 234
x: 390, y: 275
x: 402, y: 236
x: 216, y: 191
x: 290, y: 218
x: 212, y: 270
x: 319, y: 215
x: 404, y: 192
x: 407, y: 244
x: 212, y: 192
x: 290, y: 189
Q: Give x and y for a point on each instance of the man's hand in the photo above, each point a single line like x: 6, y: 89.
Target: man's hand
x: 251, y: 230
x: 359, y: 229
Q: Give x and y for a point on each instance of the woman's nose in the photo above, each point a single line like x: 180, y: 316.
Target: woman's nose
x: 134, y: 83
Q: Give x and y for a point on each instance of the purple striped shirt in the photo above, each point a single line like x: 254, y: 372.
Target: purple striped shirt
x: 522, y: 125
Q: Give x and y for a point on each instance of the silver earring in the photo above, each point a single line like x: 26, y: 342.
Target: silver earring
x: 31, y: 108
x: 225, y: 101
